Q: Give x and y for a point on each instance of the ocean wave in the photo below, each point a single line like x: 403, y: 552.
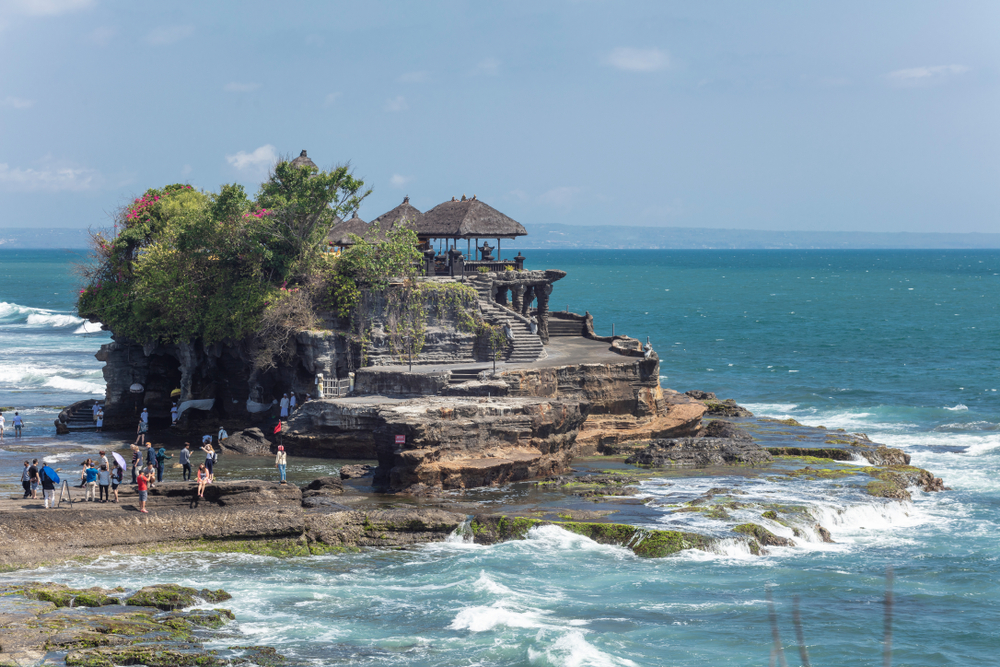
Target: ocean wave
x: 81, y: 386
x: 51, y: 319
x: 958, y: 407
x: 484, y: 618
x: 770, y: 409
x: 573, y: 650
x: 89, y: 327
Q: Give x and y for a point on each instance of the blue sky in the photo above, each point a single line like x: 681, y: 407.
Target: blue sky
x: 765, y: 115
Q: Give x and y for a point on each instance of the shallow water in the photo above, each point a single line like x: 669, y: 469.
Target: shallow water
x: 903, y: 346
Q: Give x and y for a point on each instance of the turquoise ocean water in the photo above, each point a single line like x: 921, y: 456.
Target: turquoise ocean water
x: 901, y: 345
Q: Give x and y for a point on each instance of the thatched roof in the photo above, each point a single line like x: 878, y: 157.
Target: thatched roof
x: 340, y: 234
x: 303, y: 161
x: 467, y: 219
x: 406, y: 214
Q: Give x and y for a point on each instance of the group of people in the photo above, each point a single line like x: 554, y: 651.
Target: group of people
x: 101, y: 479
x: 33, y: 477
x: 17, y: 422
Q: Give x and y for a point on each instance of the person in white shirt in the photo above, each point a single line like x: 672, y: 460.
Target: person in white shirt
x: 222, y: 434
x: 144, y: 417
x: 292, y: 402
x: 173, y: 414
x: 284, y: 405
x: 95, y: 409
x: 2, y: 423
x: 100, y: 420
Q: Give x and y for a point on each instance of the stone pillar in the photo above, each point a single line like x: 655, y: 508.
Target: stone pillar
x: 516, y: 296
x: 529, y: 296
x: 501, y: 295
x: 542, y: 293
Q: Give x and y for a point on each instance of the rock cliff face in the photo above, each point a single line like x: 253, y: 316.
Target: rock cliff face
x: 448, y: 443
x: 624, y: 401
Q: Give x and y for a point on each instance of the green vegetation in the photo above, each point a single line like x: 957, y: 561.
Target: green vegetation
x: 171, y: 596
x: 187, y: 264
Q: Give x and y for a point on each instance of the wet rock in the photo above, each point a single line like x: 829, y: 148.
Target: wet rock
x: 928, y: 482
x: 356, y: 471
x: 168, y: 597
x: 324, y: 502
x: 823, y: 533
x: 63, y: 596
x: 249, y: 442
x: 719, y: 428
x: 700, y: 453
x: 327, y: 484
x: 885, y: 456
x: 762, y: 536
x: 726, y: 408
x: 700, y: 395
x: 61, y: 428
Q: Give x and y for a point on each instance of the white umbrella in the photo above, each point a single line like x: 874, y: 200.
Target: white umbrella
x: 121, y: 461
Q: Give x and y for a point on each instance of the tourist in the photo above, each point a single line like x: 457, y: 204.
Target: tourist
x: 83, y: 473
x: 91, y: 472
x: 33, y: 474
x: 141, y: 432
x: 144, y: 417
x: 292, y: 402
x: 104, y: 482
x: 95, y: 408
x: 150, y: 455
x: 103, y: 461
x: 222, y: 435
x: 100, y: 420
x: 161, y: 457
x: 26, y: 479
x: 210, y: 458
x: 136, y: 459
x: 280, y: 462
x: 117, y: 475
x: 204, y: 477
x: 48, y: 487
x: 2, y: 422
x: 18, y: 424
x: 173, y: 414
x: 186, y: 461
x: 144, y: 479
x: 284, y: 406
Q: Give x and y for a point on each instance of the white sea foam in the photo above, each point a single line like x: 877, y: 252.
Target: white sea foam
x: 484, y: 618
x: 770, y: 409
x: 958, y: 407
x: 81, y: 386
x: 52, y: 320
x: 573, y: 650
x: 88, y: 327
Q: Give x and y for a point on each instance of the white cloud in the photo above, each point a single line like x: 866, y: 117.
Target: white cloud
x: 236, y: 87
x: 488, y: 67
x: 413, y: 77
x: 398, y: 181
x: 638, y: 60
x: 920, y: 76
x: 50, y: 178
x: 397, y: 104
x: 561, y: 197
x: 17, y: 102
x: 169, y: 34
x: 331, y: 99
x: 257, y: 162
x: 45, y: 7
x: 102, y: 36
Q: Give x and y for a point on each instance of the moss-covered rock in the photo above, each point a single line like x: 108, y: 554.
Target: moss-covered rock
x: 150, y: 656
x: 171, y: 596
x: 495, y: 528
x: 761, y: 536
x: 63, y: 596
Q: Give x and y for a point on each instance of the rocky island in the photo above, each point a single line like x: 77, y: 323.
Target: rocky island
x: 481, y: 413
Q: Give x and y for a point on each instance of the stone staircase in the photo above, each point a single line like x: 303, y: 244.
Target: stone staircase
x: 81, y: 418
x: 460, y: 375
x: 527, y: 347
x: 565, y: 327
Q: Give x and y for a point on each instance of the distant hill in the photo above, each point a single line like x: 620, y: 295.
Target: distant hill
x: 585, y: 237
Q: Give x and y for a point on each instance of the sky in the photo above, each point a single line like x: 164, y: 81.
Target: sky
x: 835, y: 116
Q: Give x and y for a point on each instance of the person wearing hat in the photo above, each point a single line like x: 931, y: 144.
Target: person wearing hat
x: 292, y: 402
x: 280, y: 462
x: 144, y: 416
x: 284, y: 406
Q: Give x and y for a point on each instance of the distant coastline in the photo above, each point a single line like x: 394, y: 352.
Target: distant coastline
x: 615, y: 237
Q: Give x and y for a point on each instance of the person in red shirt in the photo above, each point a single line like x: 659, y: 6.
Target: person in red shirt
x: 143, y: 480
